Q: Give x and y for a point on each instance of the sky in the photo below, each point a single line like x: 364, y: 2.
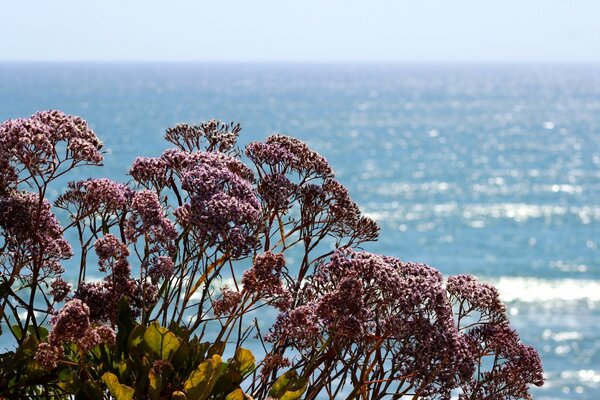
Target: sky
x: 511, y: 31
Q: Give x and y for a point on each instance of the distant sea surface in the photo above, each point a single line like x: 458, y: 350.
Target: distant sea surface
x: 491, y: 170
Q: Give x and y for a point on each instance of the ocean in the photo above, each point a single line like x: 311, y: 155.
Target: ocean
x: 491, y: 170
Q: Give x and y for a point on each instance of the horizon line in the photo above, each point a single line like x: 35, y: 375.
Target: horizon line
x: 314, y: 62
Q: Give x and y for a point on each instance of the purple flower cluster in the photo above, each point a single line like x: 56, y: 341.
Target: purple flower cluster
x: 152, y: 172
x: 103, y: 297
x: 210, y: 136
x: 60, y: 289
x: 228, y: 302
x: 514, y: 365
x: 110, y: 249
x: 28, y: 145
x: 161, y: 267
x: 72, y: 325
x: 360, y: 300
x: 32, y: 232
x: 479, y: 296
x: 276, y: 192
x: 263, y: 280
x: 343, y: 311
x: 148, y: 219
x: 299, y: 326
x: 160, y: 172
x: 282, y: 154
x: 347, y: 220
x: 223, y: 208
x: 271, y: 363
x: 95, y: 197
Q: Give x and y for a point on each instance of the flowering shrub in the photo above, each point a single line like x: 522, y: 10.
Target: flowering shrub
x: 192, y: 248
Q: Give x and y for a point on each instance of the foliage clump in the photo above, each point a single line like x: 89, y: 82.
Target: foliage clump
x: 192, y: 251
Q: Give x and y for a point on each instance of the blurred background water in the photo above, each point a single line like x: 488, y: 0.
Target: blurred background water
x: 492, y: 170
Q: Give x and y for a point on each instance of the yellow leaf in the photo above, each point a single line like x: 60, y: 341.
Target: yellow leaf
x: 237, y: 394
x: 201, y: 381
x: 243, y: 360
x: 161, y: 341
x: 117, y: 390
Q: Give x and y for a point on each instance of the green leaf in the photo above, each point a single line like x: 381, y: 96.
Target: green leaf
x: 69, y: 381
x: 125, y: 325
x: 27, y: 349
x: 288, y: 386
x: 116, y: 389
x: 135, y: 339
x: 17, y: 331
x: 91, y: 390
x: 237, y: 394
x: 216, y: 348
x: 122, y: 368
x: 201, y: 381
x: 243, y: 361
x: 154, y: 386
x: 161, y: 341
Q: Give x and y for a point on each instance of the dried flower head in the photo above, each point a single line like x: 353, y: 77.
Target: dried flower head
x: 282, y: 154
x: 223, y: 208
x: 228, y: 302
x: 60, y: 289
x: 212, y: 135
x: 479, y: 296
x: 160, y: 268
x: 31, y: 230
x: 28, y: 145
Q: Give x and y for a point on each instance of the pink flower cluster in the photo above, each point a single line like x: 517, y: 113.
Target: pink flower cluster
x: 102, y: 298
x: 93, y: 198
x: 223, y: 208
x: 109, y: 250
x: 32, y: 232
x: 211, y: 136
x: 359, y: 300
x: 28, y: 145
x: 263, y: 280
x: 228, y: 302
x: 147, y: 219
x: 479, y: 296
x: 282, y: 154
x: 72, y: 325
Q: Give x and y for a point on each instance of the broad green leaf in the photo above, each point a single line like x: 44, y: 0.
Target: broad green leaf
x: 136, y: 337
x: 34, y: 368
x: 161, y: 341
x: 91, y: 390
x: 69, y: 381
x: 27, y: 350
x: 216, y: 348
x: 116, y: 389
x: 155, y: 385
x: 243, y: 361
x: 17, y: 331
x: 122, y: 368
x: 237, y: 394
x: 201, y: 381
x: 288, y: 386
x: 295, y: 394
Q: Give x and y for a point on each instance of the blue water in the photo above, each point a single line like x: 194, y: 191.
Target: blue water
x: 492, y: 170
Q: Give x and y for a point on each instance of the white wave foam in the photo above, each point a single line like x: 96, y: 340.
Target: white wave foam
x: 546, y: 290
x: 519, y: 212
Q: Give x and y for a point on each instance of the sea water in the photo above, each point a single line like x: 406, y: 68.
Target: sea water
x: 491, y: 170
